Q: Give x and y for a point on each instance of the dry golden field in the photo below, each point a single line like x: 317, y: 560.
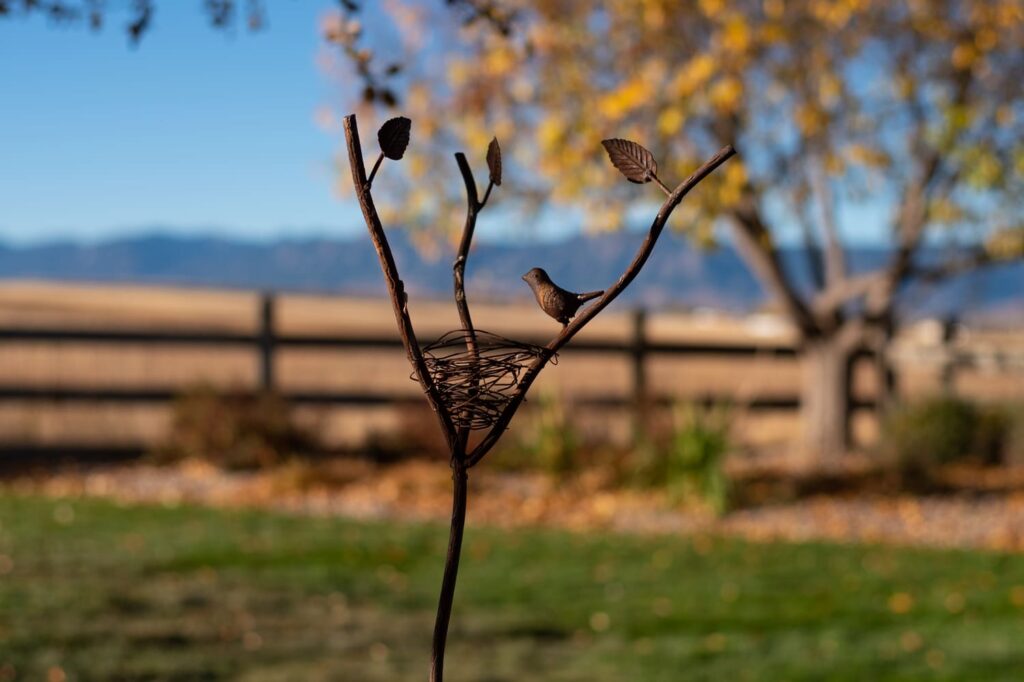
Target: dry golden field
x: 578, y: 375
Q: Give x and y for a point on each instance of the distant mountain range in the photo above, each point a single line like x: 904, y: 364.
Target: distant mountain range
x: 677, y: 276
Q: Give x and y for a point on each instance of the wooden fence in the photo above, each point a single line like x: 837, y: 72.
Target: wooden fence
x: 265, y: 342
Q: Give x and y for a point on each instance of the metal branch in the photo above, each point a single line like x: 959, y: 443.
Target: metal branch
x: 373, y: 171
x: 473, y: 206
x: 487, y: 195
x: 458, y: 453
x: 460, y: 488
x: 610, y: 294
x: 396, y: 289
x: 662, y: 185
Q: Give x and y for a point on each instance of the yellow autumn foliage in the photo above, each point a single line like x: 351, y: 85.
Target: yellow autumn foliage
x: 1006, y: 244
x: 836, y: 82
x: 693, y: 75
x: 726, y: 93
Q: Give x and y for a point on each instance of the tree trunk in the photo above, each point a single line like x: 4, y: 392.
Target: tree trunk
x: 825, y: 402
x: 887, y: 389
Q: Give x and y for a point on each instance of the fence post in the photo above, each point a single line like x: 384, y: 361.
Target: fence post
x: 638, y: 357
x: 947, y: 371
x: 266, y: 341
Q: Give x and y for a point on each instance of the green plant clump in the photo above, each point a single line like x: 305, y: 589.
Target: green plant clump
x: 689, y: 460
x: 552, y: 442
x: 947, y: 429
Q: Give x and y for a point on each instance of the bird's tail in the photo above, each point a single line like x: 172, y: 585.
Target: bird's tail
x: 589, y: 295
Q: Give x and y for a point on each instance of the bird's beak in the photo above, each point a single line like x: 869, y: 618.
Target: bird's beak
x: 523, y: 278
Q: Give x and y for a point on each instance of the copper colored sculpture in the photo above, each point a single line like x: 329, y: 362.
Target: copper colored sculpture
x: 475, y: 381
x: 553, y: 299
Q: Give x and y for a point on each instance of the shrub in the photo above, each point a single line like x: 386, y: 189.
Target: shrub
x: 416, y: 436
x: 934, y: 431
x: 1013, y: 443
x: 946, y: 429
x: 234, y: 429
x: 992, y: 434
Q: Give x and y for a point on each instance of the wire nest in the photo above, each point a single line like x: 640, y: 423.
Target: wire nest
x: 476, y: 386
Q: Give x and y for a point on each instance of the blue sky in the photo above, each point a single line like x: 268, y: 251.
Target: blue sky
x: 194, y: 130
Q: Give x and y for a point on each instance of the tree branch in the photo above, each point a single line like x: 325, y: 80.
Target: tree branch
x: 847, y: 289
x: 911, y: 220
x: 835, y: 258
x: 912, y: 216
x: 972, y: 260
x: 610, y: 294
x: 869, y: 284
x: 499, y: 18
x: 753, y: 243
x: 396, y: 289
x: 812, y: 252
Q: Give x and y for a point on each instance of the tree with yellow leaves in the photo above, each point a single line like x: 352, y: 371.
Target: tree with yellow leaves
x: 907, y: 112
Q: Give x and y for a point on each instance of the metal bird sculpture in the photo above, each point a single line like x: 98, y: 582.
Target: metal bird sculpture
x: 553, y: 299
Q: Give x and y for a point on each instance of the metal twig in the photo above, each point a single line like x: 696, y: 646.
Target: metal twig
x: 373, y: 171
x: 473, y: 206
x: 662, y: 185
x: 396, y: 289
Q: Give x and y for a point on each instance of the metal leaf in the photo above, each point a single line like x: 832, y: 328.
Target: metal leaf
x: 494, y: 161
x: 632, y: 160
x: 393, y: 137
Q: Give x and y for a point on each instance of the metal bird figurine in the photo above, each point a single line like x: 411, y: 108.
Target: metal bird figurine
x: 553, y: 299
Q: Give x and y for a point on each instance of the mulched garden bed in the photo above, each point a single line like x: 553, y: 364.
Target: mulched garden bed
x: 980, y: 510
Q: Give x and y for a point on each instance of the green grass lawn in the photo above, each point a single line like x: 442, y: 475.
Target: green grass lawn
x: 104, y: 592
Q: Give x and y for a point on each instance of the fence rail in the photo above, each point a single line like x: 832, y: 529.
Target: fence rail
x: 265, y: 341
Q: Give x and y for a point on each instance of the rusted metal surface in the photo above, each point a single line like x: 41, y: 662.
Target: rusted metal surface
x: 477, y: 381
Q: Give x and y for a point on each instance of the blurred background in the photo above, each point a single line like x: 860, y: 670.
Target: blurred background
x: 800, y: 430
